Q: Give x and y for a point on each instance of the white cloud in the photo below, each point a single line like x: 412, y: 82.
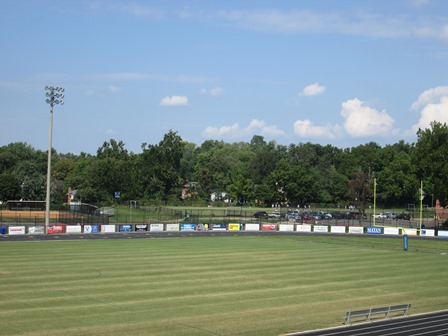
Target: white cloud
x: 362, y: 120
x: 420, y: 3
x: 174, y: 101
x: 430, y: 96
x: 306, y: 129
x: 255, y: 126
x: 313, y: 90
x: 433, y: 112
x: 214, y: 92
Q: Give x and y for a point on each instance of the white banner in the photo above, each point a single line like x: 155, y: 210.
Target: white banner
x: 107, y: 228
x: 73, y: 229
x: 442, y: 234
x: 409, y: 232
x: 156, y: 227
x: 320, y: 228
x: 16, y: 230
x: 428, y: 233
x: 172, y: 227
x: 337, y: 229
x: 391, y: 231
x: 34, y: 230
x: 303, y: 228
x: 286, y: 227
x: 252, y: 227
x: 356, y: 229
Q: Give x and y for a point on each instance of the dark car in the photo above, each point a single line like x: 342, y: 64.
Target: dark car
x: 403, y: 216
x: 260, y: 214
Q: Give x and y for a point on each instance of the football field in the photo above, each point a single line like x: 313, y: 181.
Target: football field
x: 212, y: 285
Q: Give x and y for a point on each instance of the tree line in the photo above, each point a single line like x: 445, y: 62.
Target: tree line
x: 257, y: 172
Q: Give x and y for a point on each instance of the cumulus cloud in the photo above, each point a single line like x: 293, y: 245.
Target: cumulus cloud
x: 434, y: 111
x: 362, y: 120
x: 306, y: 129
x: 313, y: 90
x: 430, y: 96
x: 255, y: 126
x: 174, y: 101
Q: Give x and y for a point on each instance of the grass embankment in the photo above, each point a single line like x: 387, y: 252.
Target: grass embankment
x: 211, y: 285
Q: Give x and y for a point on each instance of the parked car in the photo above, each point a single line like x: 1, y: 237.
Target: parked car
x: 274, y: 214
x: 390, y: 215
x: 403, y: 216
x: 380, y: 216
x: 260, y: 214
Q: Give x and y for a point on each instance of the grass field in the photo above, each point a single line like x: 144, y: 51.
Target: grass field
x: 211, y: 285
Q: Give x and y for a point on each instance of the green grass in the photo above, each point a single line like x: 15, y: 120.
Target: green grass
x: 211, y: 285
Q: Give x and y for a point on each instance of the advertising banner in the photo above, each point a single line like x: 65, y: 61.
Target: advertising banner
x: 202, y: 227
x: 125, y: 228
x: 16, y: 230
x: 391, y: 231
x: 73, y: 229
x: 427, y: 233
x: 156, y: 227
x: 356, y: 229
x: 286, y: 227
x: 91, y: 228
x: 55, y: 229
x: 141, y: 227
x: 320, y: 228
x: 268, y: 227
x: 252, y: 227
x: 303, y: 228
x: 234, y: 226
x: 187, y: 227
x: 172, y: 227
x: 219, y: 227
x: 35, y: 230
x: 107, y: 228
x: 442, y: 233
x: 337, y: 229
x: 374, y: 230
x: 410, y: 232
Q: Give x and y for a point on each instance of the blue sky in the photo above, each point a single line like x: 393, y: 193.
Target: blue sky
x: 343, y: 72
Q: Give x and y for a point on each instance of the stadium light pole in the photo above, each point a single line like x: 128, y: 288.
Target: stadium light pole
x: 54, y: 97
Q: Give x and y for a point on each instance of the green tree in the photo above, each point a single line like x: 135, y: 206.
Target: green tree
x: 9, y: 187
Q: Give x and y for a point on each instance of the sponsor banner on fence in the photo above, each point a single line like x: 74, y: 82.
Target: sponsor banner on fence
x: 442, y: 233
x: 73, y: 229
x: 91, y: 228
x: 410, y: 232
x: 202, y: 227
x: 234, y: 226
x: 303, y: 228
x: 55, y: 229
x: 187, y: 227
x: 219, y: 227
x: 428, y: 233
x: 16, y: 230
x: 172, y: 227
x: 268, y: 227
x: 252, y: 227
x: 391, y: 231
x: 156, y: 227
x: 286, y: 227
x: 320, y: 228
x: 356, y: 229
x: 141, y: 227
x: 107, y: 228
x: 374, y: 230
x: 125, y: 228
x: 34, y: 230
x: 337, y: 229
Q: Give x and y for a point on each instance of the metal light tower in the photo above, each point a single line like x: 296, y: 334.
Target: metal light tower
x: 54, y: 97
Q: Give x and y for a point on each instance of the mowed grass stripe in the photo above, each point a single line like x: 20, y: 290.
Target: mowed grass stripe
x: 227, y: 279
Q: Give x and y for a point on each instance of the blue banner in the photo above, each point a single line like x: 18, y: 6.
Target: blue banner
x: 187, y: 227
x: 374, y: 230
x: 125, y: 228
